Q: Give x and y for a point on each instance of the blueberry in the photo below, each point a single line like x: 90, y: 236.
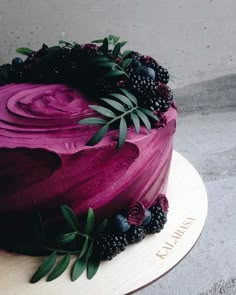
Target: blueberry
x: 121, y: 223
x: 147, y: 217
x: 17, y: 61
x: 149, y: 72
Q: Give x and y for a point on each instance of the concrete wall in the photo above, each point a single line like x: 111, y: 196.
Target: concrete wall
x: 194, y: 39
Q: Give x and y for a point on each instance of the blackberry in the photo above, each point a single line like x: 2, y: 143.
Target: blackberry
x: 135, y: 62
x: 159, y: 99
x: 72, y: 71
x: 135, y: 234
x: 55, y: 74
x: 158, y: 220
x: 61, y: 56
x: 134, y: 55
x: 4, y: 74
x: 141, y: 84
x: 162, y: 75
x: 16, y: 76
x: 167, y: 97
x: 148, y: 61
x: 107, y: 246
x: 104, y: 87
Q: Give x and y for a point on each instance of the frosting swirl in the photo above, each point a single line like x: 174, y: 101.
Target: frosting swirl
x: 162, y: 201
x: 136, y: 213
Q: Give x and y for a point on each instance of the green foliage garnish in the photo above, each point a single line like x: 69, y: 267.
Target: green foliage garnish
x: 120, y: 109
x: 66, y: 246
x: 24, y: 51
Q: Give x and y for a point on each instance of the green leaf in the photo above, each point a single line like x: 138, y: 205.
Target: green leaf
x: 98, y: 59
x: 116, y: 50
x: 78, y: 268
x: 102, y: 226
x: 144, y: 119
x: 104, y: 46
x: 122, y: 98
x: 84, y: 248
x: 77, y: 45
x: 107, y: 64
x: 126, y: 53
x: 90, y: 251
x: 115, y: 73
x: 122, y: 132
x: 126, y: 62
x: 136, y: 122
x: 89, y: 222
x: 92, y: 267
x: 129, y: 95
x: 150, y: 114
x: 98, y: 136
x: 24, y: 50
x: 92, y: 121
x: 44, y: 269
x: 70, y: 217
x: 104, y: 111
x: 110, y: 37
x: 115, y: 39
x: 123, y: 43
x: 116, y: 105
x: 97, y: 41
x: 67, y: 238
x: 59, y: 268
x: 65, y: 43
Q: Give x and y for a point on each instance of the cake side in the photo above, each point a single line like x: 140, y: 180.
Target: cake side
x: 63, y: 169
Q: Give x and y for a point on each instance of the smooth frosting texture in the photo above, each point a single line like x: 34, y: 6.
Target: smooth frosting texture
x: 45, y: 163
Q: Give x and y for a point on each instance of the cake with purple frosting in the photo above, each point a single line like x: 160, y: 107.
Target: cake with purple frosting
x: 86, y: 140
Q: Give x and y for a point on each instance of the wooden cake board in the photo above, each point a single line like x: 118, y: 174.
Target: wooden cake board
x: 141, y: 263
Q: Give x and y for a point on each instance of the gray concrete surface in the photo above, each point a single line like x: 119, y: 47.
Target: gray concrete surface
x: 206, y: 137
x: 194, y: 39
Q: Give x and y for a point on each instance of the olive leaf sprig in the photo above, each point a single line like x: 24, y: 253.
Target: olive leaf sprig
x: 122, y: 107
x: 111, y: 40
x: 85, y: 260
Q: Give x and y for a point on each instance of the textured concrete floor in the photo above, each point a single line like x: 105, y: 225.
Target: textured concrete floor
x: 206, y: 137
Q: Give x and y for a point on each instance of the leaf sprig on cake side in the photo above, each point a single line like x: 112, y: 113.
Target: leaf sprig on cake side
x: 75, y: 242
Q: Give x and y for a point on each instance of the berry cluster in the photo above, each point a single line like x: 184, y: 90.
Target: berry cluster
x: 148, y: 82
x: 121, y: 233
x: 68, y: 64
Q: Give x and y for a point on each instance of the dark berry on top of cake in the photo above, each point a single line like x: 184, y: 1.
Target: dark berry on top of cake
x: 104, y: 66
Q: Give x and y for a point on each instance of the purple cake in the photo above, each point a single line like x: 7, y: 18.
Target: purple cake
x: 46, y: 161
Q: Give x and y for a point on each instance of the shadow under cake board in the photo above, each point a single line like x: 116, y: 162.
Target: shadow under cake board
x: 141, y: 263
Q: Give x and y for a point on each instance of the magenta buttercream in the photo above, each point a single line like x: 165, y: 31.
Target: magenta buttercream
x: 45, y: 163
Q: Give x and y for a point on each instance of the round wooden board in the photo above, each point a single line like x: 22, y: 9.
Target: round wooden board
x: 139, y: 264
